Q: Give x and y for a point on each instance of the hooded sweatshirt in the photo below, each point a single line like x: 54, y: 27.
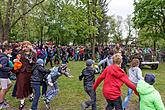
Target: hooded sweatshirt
x: 150, y: 98
x: 113, y: 77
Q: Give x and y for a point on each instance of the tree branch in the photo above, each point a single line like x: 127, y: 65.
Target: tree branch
x: 26, y: 13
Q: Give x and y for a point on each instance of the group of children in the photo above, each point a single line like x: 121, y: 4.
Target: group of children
x: 40, y: 76
x: 114, y: 77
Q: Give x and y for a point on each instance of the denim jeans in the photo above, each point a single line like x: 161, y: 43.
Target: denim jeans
x: 114, y: 103
x: 75, y: 56
x: 92, y: 101
x: 44, y: 88
x: 81, y: 57
x: 36, y: 88
x: 127, y: 98
x: 52, y: 92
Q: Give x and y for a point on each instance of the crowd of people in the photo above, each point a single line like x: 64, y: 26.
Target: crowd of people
x: 27, y: 60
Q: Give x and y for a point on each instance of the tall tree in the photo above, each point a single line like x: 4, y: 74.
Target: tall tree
x: 103, y: 29
x: 9, y: 16
x: 116, y: 34
x: 130, y: 30
x: 149, y: 18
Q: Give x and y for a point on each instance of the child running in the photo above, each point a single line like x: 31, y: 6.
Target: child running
x: 114, y: 77
x: 135, y: 74
x: 89, y: 78
x: 38, y: 75
x: 150, y: 98
x: 55, y: 73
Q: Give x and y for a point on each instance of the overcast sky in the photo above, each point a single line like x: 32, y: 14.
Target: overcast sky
x: 120, y: 7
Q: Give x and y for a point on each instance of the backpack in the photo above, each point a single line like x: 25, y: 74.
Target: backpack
x: 2, y: 57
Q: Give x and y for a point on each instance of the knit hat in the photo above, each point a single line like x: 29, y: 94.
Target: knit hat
x: 150, y: 78
x: 89, y: 62
x: 40, y: 61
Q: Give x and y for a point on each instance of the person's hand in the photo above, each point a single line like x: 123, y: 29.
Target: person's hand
x: 0, y: 65
x: 50, y: 83
x: 94, y: 88
x: 136, y: 93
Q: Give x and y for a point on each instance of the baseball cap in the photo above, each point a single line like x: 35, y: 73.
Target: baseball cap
x: 89, y: 62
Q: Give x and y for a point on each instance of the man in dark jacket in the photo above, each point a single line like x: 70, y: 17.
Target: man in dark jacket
x: 5, y: 70
x: 89, y: 78
x: 38, y: 74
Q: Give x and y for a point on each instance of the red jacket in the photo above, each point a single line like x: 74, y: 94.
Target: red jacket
x: 113, y: 77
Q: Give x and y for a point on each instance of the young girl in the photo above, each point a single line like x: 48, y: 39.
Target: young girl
x: 135, y: 74
x: 114, y: 77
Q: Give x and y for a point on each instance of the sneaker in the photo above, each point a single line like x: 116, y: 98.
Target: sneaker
x: 4, y: 105
x: 83, y: 106
x: 43, y: 97
x: 47, y: 103
x: 21, y: 106
x: 31, y: 99
x: 6, y: 101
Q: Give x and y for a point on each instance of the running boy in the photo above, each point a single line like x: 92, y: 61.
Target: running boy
x: 38, y: 75
x: 150, y: 98
x: 114, y: 77
x: 55, y: 73
x: 89, y: 78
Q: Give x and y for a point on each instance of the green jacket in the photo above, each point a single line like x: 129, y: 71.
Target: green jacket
x: 150, y: 98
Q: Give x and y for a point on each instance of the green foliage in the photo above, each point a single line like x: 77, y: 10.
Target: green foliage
x: 149, y: 18
x: 60, y: 21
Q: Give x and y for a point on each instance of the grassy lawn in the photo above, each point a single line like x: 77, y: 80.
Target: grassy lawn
x: 71, y: 92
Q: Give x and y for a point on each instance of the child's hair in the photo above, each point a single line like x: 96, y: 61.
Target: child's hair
x: 135, y: 62
x: 18, y: 56
x: 117, y: 58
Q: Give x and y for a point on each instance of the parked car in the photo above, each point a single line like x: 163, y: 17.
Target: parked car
x: 146, y: 59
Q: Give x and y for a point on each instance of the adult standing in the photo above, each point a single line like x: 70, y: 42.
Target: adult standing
x: 117, y: 48
x: 28, y: 58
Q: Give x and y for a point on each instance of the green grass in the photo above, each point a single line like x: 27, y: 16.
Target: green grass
x: 71, y: 92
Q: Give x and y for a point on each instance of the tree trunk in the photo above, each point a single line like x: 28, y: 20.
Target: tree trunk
x: 154, y: 45
x: 41, y: 34
x: 24, y: 20
x: 94, y: 24
x: 7, y: 21
x: 1, y: 26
